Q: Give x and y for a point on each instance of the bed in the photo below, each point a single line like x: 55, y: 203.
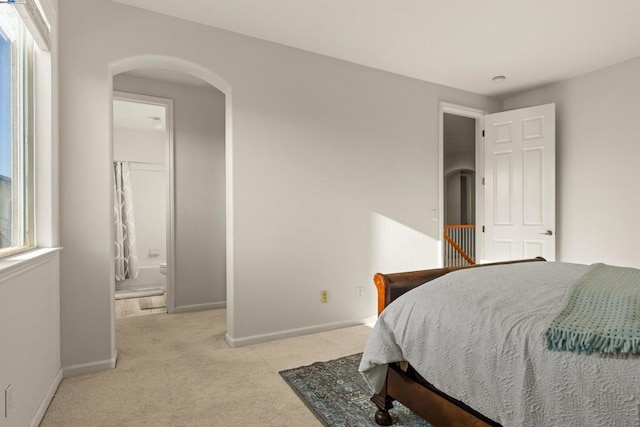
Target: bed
x: 457, y: 370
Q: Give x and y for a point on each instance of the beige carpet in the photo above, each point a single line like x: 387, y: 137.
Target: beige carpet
x: 176, y: 370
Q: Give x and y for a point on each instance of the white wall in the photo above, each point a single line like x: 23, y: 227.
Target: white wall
x: 199, y: 121
x: 598, y: 147
x: 335, y: 172
x: 29, y: 338
x: 149, y: 186
x: 137, y: 145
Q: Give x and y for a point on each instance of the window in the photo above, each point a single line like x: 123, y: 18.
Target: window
x: 16, y: 133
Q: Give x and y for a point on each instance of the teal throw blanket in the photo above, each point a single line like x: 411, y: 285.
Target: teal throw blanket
x: 602, y: 313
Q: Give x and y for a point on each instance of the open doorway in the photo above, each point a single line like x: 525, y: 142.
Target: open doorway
x: 195, y: 159
x: 461, y: 184
x: 143, y: 203
x: 204, y: 260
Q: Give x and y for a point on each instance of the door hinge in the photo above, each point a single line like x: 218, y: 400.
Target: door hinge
x: 483, y: 228
x: 482, y: 181
x: 483, y: 133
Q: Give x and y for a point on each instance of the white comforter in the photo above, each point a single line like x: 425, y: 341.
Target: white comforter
x: 478, y: 335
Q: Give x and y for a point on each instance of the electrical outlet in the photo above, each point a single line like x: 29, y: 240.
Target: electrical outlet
x: 8, y: 401
x: 324, y: 296
x: 359, y: 292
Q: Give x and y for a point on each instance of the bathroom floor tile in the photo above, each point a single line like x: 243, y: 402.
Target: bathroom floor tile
x: 131, y: 306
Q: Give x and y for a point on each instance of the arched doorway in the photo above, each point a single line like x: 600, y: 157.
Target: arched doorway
x: 176, y: 65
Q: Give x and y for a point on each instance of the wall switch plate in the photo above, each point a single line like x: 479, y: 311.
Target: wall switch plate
x: 324, y: 296
x: 359, y: 292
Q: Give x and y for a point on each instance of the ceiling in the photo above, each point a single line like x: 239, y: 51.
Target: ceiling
x: 458, y: 43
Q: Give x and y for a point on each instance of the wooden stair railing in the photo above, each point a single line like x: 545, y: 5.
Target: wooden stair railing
x: 463, y: 245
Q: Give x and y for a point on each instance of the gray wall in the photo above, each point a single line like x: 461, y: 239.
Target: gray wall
x: 199, y: 187
x: 334, y: 167
x: 459, y: 139
x: 598, y: 147
x: 459, y: 143
x: 29, y: 337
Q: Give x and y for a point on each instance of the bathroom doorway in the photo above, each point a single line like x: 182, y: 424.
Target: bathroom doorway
x: 143, y: 203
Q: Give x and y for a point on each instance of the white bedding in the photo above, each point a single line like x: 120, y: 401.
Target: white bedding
x: 478, y: 335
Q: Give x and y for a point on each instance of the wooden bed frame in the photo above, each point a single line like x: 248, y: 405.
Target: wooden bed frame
x: 409, y: 388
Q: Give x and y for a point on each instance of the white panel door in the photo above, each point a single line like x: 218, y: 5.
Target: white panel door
x: 519, y: 188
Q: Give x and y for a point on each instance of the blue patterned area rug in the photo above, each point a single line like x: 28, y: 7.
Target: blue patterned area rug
x: 338, y: 396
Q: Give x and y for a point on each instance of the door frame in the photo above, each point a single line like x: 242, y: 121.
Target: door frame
x: 169, y: 163
x: 478, y: 115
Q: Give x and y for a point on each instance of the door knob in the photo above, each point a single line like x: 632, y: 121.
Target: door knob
x: 548, y: 233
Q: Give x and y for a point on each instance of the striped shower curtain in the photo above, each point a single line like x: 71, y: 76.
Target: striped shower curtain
x: 126, y: 261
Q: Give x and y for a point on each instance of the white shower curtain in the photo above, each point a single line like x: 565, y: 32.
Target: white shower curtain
x: 126, y: 261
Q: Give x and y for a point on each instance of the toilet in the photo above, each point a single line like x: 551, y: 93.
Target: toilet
x: 163, y: 268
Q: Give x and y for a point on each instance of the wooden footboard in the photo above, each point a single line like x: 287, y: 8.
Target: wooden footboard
x: 391, y: 286
x: 431, y: 404
x: 409, y: 388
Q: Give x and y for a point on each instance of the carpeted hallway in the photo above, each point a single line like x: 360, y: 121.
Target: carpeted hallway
x: 176, y: 370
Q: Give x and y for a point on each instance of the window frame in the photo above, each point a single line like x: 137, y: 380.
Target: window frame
x: 22, y: 141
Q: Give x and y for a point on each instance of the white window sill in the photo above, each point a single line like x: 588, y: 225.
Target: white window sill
x: 19, y: 263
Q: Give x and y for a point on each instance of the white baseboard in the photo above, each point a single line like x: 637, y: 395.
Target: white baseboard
x: 87, y: 368
x: 198, y: 307
x: 44, y: 405
x: 257, y: 339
